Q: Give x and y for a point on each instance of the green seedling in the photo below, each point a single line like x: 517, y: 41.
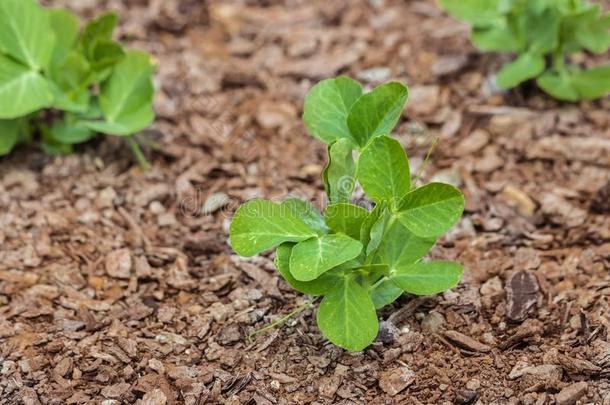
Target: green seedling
x: 542, y: 33
x: 64, y: 83
x: 358, y: 260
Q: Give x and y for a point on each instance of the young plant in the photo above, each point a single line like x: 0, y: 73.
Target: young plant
x: 66, y: 84
x: 359, y: 260
x: 542, y: 33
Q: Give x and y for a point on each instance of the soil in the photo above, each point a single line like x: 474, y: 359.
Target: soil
x: 118, y: 286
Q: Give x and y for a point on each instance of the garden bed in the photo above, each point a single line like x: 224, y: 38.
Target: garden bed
x: 119, y: 284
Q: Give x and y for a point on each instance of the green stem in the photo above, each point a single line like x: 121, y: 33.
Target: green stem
x: 284, y: 318
x: 381, y: 280
x: 424, y: 165
x: 137, y: 152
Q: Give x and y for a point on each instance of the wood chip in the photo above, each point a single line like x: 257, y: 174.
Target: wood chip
x: 521, y: 295
x: 466, y: 342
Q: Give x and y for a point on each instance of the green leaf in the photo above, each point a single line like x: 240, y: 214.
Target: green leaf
x: 326, y: 108
x: 476, y: 12
x: 400, y: 247
x: 9, y: 135
x: 385, y: 293
x: 65, y: 26
x: 377, y: 232
x: 70, y: 80
x: 592, y: 83
x: 25, y: 33
x: 52, y: 146
x: 319, y: 286
x: 558, y: 85
x: 260, y: 224
x: 345, y: 218
x: 70, y: 131
x: 542, y: 30
x: 339, y: 172
x: 498, y: 38
x: 307, y: 213
x: 98, y: 29
x: 592, y: 30
x: 526, y: 66
x: 126, y: 97
x: 427, y: 278
x: 369, y: 223
x: 105, y: 54
x: 383, y: 170
x: 377, y: 112
x: 22, y: 90
x: 576, y: 84
x: 431, y: 210
x: 347, y: 316
x: 315, y: 256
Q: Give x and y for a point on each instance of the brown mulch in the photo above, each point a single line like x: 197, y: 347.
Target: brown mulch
x: 118, y: 286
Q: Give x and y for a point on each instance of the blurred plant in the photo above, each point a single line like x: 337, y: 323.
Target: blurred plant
x: 66, y: 84
x: 542, y: 33
x: 359, y: 260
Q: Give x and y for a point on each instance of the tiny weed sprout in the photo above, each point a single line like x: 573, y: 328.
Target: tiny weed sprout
x: 358, y: 260
x: 66, y: 84
x: 542, y: 33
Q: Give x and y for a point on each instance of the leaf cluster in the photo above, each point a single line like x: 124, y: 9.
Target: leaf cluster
x: 542, y: 33
x: 66, y: 83
x: 359, y: 260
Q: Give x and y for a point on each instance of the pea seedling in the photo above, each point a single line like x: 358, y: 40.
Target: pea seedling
x: 358, y: 260
x: 542, y: 33
x: 86, y: 79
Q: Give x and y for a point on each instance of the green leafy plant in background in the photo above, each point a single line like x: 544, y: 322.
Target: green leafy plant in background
x: 358, y: 260
x: 542, y: 33
x: 66, y: 83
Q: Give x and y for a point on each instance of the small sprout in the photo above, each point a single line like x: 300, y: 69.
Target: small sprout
x: 357, y: 260
x: 48, y: 62
x: 542, y: 33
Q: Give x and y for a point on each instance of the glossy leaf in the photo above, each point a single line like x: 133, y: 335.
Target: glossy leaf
x: 327, y: 106
x: 339, y: 173
x: 592, y: 83
x: 319, y: 286
x: 345, y: 218
x: 307, y: 213
x: 385, y: 293
x: 480, y: 13
x: 98, y: 29
x: 427, y: 278
x: 431, y: 210
x: 400, y: 247
x: 383, y: 170
x: 22, y: 90
x: 25, y: 33
x: 9, y: 135
x: 526, y: 66
x: 70, y: 131
x: 70, y: 82
x: 377, y: 112
x: 498, y: 38
x: 369, y: 223
x: 347, y: 316
x: 313, y: 257
x: 260, y: 224
x: 65, y: 27
x: 558, y: 85
x: 126, y: 97
x: 577, y: 84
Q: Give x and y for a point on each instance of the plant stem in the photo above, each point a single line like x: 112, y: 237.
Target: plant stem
x: 424, y: 165
x: 284, y: 318
x: 137, y: 152
x: 381, y: 280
